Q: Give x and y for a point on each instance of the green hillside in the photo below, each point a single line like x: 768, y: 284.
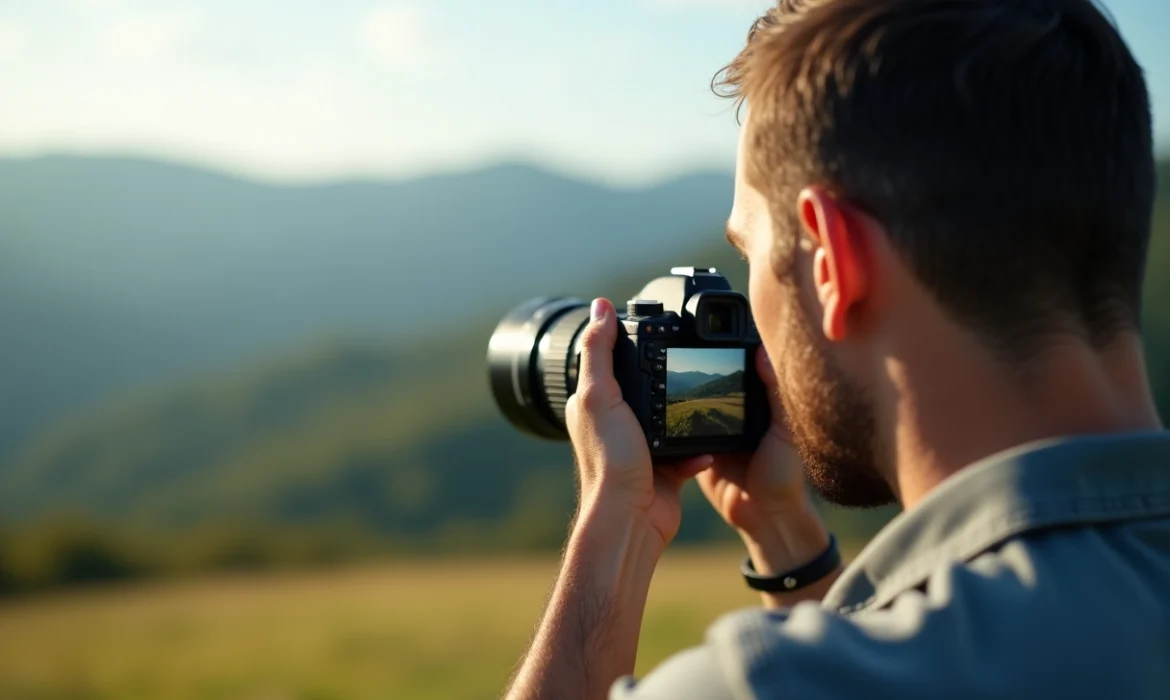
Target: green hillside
x: 347, y: 448
x: 117, y: 273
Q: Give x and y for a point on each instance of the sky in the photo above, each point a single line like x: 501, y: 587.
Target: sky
x: 292, y: 90
x: 723, y: 361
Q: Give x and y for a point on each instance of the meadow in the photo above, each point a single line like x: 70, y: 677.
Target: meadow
x: 720, y: 415
x: 422, y: 629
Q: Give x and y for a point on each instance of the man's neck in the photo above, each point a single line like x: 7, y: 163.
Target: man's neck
x: 957, y: 407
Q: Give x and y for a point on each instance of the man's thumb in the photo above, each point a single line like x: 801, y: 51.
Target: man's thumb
x: 597, y: 344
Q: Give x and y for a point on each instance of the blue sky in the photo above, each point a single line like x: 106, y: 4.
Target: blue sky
x: 722, y: 361
x: 611, y: 89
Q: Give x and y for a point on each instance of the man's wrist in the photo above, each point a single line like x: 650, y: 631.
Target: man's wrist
x: 616, y: 543
x: 588, y: 637
x: 787, y: 540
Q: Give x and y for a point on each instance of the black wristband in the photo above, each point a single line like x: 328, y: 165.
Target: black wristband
x: 797, y: 579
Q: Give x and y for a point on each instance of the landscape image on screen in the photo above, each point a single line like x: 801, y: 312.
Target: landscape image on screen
x: 704, y: 392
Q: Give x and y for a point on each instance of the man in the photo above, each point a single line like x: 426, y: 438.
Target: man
x: 945, y: 206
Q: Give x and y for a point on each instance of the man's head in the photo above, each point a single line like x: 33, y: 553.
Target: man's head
x: 914, y: 170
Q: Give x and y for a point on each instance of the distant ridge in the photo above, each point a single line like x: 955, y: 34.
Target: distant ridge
x: 721, y: 386
x: 119, y: 272
x: 681, y: 382
x: 504, y: 167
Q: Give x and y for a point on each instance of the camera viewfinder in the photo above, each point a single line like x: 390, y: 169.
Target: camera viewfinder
x: 720, y: 318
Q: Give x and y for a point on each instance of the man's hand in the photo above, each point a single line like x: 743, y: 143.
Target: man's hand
x: 613, y: 460
x: 629, y: 512
x: 763, y: 497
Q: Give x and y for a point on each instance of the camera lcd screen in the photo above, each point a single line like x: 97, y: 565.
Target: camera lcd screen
x: 704, y: 392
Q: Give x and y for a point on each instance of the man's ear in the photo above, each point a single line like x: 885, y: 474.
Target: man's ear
x: 841, y: 267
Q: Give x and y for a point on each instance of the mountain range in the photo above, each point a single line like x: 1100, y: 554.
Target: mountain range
x: 720, y: 386
x: 678, y: 383
x: 119, y: 274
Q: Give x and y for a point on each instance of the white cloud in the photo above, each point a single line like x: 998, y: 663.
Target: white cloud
x: 399, y: 36
x: 13, y: 38
x: 149, y: 36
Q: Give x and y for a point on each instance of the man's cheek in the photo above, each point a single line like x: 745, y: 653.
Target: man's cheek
x: 761, y: 309
x: 765, y: 310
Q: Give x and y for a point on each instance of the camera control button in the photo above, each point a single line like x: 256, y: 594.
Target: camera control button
x: 660, y: 386
x: 659, y: 367
x: 656, y: 443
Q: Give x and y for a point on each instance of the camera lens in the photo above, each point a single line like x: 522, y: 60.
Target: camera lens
x: 532, y: 363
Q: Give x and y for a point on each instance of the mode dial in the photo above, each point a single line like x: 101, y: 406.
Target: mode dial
x: 637, y: 308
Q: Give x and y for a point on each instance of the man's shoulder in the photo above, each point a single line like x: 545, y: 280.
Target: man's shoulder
x: 1048, y: 613
x: 1071, y: 484
x: 1067, y: 613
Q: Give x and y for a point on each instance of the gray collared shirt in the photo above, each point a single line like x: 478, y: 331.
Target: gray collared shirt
x: 1042, y: 572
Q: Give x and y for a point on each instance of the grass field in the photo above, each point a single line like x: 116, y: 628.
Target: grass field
x: 444, y: 629
x: 722, y: 415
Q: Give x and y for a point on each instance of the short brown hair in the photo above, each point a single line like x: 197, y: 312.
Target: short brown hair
x: 1005, y: 145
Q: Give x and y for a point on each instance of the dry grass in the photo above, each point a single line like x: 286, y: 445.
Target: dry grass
x: 710, y: 416
x: 447, y: 629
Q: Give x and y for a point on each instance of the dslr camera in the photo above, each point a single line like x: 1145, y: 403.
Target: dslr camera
x: 685, y: 360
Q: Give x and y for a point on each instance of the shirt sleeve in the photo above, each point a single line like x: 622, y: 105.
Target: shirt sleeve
x: 693, y: 673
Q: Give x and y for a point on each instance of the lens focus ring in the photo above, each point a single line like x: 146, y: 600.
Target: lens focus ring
x: 559, y: 356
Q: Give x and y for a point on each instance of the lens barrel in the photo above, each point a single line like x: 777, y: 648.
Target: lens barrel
x: 532, y: 363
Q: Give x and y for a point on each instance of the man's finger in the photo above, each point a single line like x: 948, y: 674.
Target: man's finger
x: 677, y: 473
x: 596, y: 371
x: 689, y: 467
x: 731, y: 467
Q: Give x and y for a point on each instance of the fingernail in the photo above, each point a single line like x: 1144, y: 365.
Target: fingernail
x: 706, y: 460
x: 597, y: 310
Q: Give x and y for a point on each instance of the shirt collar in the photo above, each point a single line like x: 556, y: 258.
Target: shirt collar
x: 1067, y: 481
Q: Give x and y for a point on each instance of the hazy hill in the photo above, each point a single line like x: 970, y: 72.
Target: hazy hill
x: 721, y: 386
x: 682, y: 382
x: 403, y: 441
x: 116, y: 273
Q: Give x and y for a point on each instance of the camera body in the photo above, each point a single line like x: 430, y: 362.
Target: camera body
x: 685, y: 360
x: 686, y: 366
